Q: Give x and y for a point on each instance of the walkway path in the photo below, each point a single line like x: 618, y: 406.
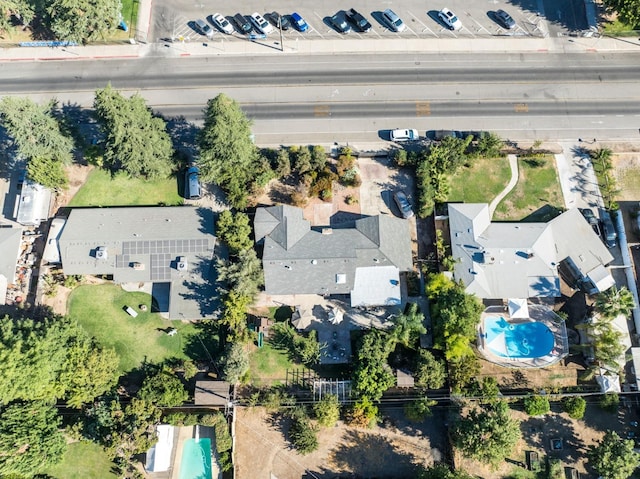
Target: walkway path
x: 577, y: 178
x: 513, y: 163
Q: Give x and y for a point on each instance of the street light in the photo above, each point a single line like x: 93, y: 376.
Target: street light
x: 280, y: 28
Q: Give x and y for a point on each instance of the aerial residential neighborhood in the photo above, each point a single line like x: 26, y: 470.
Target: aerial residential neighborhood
x: 395, y: 240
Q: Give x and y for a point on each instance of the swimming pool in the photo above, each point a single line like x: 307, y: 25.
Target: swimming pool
x: 196, y: 459
x: 518, y: 340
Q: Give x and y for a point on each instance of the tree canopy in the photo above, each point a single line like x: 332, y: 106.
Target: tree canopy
x: 613, y: 457
x: 408, y: 326
x: 627, y: 10
x: 39, y: 139
x: 30, y: 440
x: 614, y: 302
x: 234, y: 230
x: 136, y: 141
x: 235, y: 362
x: 163, y: 389
x: 372, y: 375
x: 228, y: 157
x: 52, y: 359
x: 488, y: 434
x: 83, y: 21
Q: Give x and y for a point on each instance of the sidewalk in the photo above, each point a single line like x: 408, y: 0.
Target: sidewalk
x: 220, y: 45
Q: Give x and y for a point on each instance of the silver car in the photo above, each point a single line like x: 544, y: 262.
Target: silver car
x: 204, y: 27
x: 403, y: 204
x: 394, y: 21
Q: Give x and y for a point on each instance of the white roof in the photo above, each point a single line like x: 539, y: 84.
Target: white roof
x: 609, y: 383
x: 159, y: 456
x: 635, y: 355
x: 376, y: 286
x: 602, y: 278
x: 51, y: 252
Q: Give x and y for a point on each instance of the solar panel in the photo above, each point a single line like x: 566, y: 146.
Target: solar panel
x: 165, y: 246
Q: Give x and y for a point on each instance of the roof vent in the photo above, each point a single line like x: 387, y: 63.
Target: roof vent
x: 314, y: 261
x: 286, y: 266
x: 101, y: 253
x: 182, y: 263
x: 138, y: 266
x: 327, y: 231
x: 341, y: 278
x: 376, y: 260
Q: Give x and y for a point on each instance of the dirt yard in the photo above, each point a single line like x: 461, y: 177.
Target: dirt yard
x: 576, y: 436
x: 390, y: 450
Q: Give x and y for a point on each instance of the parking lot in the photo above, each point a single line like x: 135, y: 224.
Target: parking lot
x: 174, y: 20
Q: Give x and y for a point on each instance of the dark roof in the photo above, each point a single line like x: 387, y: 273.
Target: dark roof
x: 300, y: 260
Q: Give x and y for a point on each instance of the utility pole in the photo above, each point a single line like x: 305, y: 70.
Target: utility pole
x: 280, y: 28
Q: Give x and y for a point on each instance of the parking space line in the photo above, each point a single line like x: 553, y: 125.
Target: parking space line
x: 330, y: 30
x: 426, y: 28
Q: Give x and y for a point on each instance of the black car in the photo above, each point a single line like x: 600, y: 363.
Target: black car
x: 244, y: 25
x: 505, y: 19
x: 589, y: 215
x: 278, y: 20
x: 340, y: 24
x: 358, y: 20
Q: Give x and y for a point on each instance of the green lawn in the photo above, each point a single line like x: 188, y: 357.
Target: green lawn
x: 268, y: 366
x: 481, y: 182
x: 83, y: 461
x: 98, y: 308
x: 538, y: 186
x: 102, y: 189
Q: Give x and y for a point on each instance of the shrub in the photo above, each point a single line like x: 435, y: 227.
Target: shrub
x: 536, y: 405
x: 399, y: 157
x: 363, y: 414
x: 351, y: 200
x: 326, y: 195
x: 302, y: 434
x: 609, y: 402
x: 327, y: 410
x: 419, y: 410
x: 575, y: 407
x: 276, y: 398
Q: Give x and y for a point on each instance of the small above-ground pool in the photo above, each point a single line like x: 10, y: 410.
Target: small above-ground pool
x: 196, y: 459
x: 517, y: 340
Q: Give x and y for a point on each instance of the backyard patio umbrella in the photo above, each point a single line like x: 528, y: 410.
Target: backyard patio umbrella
x: 335, y: 316
x: 518, y: 308
x: 302, y: 318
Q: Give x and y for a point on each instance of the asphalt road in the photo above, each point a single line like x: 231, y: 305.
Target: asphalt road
x: 354, y: 97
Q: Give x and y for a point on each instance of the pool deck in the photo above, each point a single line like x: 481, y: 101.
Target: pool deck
x: 188, y: 432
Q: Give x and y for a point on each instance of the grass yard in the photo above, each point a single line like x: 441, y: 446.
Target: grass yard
x: 102, y: 189
x: 98, y: 308
x: 538, y: 186
x: 83, y: 461
x: 481, y: 182
x: 268, y: 365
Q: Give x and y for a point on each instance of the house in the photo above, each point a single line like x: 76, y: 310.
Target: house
x: 363, y: 260
x: 167, y: 248
x: 523, y: 260
x: 34, y: 204
x: 10, y: 241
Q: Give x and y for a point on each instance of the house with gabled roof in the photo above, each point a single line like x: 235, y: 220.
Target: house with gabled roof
x: 10, y: 242
x: 363, y: 260
x: 499, y: 260
x: 169, y: 248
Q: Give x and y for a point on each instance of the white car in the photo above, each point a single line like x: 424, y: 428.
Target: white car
x: 450, y: 19
x: 404, y: 135
x: 222, y: 23
x: 261, y: 24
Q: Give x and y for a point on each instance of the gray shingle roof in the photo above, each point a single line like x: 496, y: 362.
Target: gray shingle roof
x: 10, y: 239
x: 324, y: 261
x: 143, y: 244
x: 518, y: 260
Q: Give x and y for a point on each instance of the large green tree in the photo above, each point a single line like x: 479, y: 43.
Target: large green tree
x: 30, y: 440
x: 614, y: 302
x: 136, y: 140
x: 52, y: 359
x: 627, y: 10
x: 430, y: 373
x: 228, y: 157
x: 488, y: 434
x: 372, y: 375
x: 234, y: 229
x: 163, y: 389
x: 21, y: 9
x: 39, y: 139
x: 613, y: 457
x: 244, y: 275
x: 235, y: 362
x: 408, y: 326
x: 83, y: 21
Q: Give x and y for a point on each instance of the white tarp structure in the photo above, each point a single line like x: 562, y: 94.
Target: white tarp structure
x: 336, y: 315
x: 609, y: 383
x: 302, y: 318
x: 376, y: 286
x: 518, y: 308
x: 159, y: 456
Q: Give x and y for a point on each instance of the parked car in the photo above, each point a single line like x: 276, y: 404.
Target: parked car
x: 439, y: 135
x: 608, y: 230
x: 504, y: 19
x: 589, y: 215
x: 278, y: 20
x: 299, y: 22
x: 222, y: 23
x: 394, y: 21
x: 192, y: 184
x: 340, y: 24
x: 403, y: 135
x: 358, y: 20
x: 449, y: 18
x: 204, y: 28
x: 403, y: 204
x: 261, y: 24
x: 244, y: 25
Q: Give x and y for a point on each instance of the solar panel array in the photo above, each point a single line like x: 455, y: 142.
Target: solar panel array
x: 165, y: 246
x: 161, y: 267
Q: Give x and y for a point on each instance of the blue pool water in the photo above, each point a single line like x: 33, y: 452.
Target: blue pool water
x: 196, y: 459
x: 519, y: 340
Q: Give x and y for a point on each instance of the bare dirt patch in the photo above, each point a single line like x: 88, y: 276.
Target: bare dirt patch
x: 77, y: 175
x: 391, y: 450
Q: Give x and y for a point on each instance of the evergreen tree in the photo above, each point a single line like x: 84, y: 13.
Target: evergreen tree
x: 613, y: 457
x: 234, y: 230
x: 83, y: 21
x: 136, y: 141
